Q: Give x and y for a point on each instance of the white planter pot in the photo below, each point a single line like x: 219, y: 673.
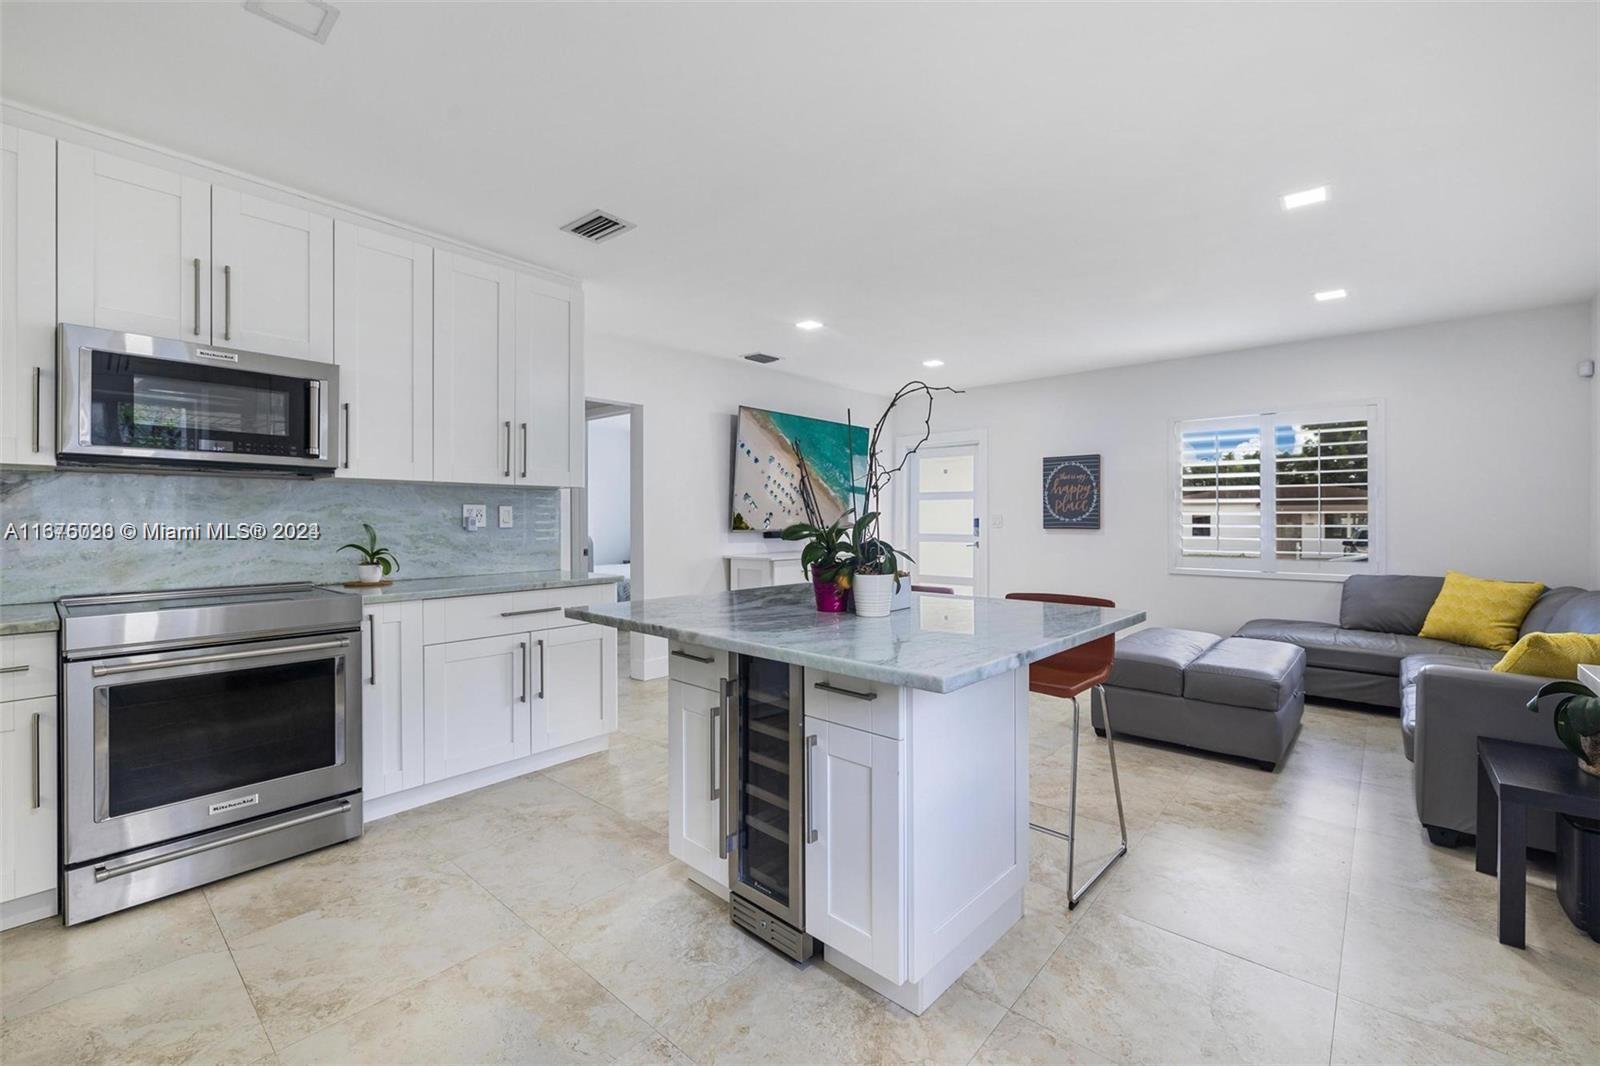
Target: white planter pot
x: 872, y: 594
x: 369, y: 573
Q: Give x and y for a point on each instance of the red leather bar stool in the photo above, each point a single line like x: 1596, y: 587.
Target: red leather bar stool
x: 1068, y: 675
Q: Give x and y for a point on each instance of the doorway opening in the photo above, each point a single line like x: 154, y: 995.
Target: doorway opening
x: 608, y: 512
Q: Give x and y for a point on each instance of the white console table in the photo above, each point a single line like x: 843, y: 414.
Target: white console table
x: 762, y: 570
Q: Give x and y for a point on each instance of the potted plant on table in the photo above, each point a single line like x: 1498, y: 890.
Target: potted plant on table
x: 1577, y: 721
x: 828, y: 559
x: 376, y: 563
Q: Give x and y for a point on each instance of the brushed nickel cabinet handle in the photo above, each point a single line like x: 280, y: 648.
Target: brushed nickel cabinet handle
x: 106, y: 873
x: 346, y: 435
x: 535, y: 610
x: 36, y: 718
x: 197, y: 297
x: 523, y: 645
x: 704, y: 659
x: 541, y: 668
x: 19, y: 669
x: 811, y: 789
x: 372, y: 642
x: 524, y: 449
x: 711, y: 753
x: 38, y: 374
x: 508, y: 449
x: 227, y: 303
x: 837, y: 691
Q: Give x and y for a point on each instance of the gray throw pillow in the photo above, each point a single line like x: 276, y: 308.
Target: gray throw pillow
x: 1387, y: 603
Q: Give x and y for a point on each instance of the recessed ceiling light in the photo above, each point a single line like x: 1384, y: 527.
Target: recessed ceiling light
x: 309, y: 18
x: 808, y: 324
x: 1329, y: 294
x: 1305, y: 198
x: 933, y: 362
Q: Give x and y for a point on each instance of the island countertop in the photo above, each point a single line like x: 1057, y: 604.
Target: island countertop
x: 940, y: 644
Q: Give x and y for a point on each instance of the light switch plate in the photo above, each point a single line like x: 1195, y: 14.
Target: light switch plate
x: 474, y: 516
x: 506, y: 513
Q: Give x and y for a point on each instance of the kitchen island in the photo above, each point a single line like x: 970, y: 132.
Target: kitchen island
x: 859, y: 782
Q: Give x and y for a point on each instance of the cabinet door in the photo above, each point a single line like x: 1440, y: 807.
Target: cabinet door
x: 383, y: 343
x: 134, y: 246
x: 476, y: 709
x: 392, y: 700
x: 28, y: 813
x: 549, y: 382
x: 855, y: 874
x: 694, y: 779
x: 474, y: 315
x: 575, y: 684
x: 272, y: 276
x: 27, y: 298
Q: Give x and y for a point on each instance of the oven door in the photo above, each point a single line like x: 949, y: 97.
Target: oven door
x: 163, y: 745
x: 147, y: 400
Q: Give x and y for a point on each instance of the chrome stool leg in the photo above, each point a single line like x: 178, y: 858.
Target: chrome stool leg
x: 1074, y: 896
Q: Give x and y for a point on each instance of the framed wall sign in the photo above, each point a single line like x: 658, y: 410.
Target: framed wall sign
x: 1072, y: 492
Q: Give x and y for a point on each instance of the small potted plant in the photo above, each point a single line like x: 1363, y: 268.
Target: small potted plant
x: 376, y: 563
x: 827, y: 558
x: 1577, y: 721
x: 877, y: 569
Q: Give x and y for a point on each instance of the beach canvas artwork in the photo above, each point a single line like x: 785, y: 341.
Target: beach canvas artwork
x: 783, y: 462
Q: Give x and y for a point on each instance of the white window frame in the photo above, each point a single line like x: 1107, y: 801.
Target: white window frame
x: 1268, y: 565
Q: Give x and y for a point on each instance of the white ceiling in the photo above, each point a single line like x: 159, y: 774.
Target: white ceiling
x: 1020, y: 191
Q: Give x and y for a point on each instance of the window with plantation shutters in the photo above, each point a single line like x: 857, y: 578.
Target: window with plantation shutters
x: 1284, y: 493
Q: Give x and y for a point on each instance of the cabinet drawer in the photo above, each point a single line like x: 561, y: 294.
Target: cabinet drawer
x: 471, y: 617
x: 870, y: 706
x: 693, y: 665
x: 27, y: 666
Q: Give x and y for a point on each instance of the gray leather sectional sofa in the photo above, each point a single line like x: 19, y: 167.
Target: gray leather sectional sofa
x: 1446, y: 694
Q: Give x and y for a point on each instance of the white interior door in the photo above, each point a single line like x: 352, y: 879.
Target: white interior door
x: 947, y: 516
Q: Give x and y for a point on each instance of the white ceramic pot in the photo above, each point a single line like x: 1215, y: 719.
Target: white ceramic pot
x: 872, y: 594
x: 369, y: 573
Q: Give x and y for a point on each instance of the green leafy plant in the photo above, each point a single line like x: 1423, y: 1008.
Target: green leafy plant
x: 372, y: 554
x: 874, y: 555
x: 1576, y: 717
x: 828, y: 555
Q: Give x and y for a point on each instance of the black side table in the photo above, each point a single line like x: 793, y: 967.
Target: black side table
x: 1512, y: 778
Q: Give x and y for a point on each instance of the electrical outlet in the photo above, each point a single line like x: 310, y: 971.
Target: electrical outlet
x: 474, y: 516
x: 506, y: 512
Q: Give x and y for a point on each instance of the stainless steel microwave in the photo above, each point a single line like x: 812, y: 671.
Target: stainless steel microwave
x: 131, y: 400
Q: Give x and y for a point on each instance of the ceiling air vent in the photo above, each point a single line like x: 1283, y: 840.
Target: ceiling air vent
x: 761, y: 357
x: 597, y: 226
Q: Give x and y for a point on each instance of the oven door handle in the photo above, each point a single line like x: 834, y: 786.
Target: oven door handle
x: 220, y: 657
x: 106, y: 873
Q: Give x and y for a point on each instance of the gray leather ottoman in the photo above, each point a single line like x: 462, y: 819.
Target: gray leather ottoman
x: 1235, y: 695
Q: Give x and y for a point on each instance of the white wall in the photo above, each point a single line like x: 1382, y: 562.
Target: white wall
x: 1489, y: 464
x: 686, y: 449
x: 608, y: 483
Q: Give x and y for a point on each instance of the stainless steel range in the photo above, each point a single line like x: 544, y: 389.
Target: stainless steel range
x: 205, y: 732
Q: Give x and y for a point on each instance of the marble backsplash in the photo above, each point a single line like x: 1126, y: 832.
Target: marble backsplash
x: 420, y: 521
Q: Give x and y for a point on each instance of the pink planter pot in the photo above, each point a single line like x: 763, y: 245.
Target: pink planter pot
x: 831, y: 599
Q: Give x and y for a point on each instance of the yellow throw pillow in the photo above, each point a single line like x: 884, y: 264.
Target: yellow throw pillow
x: 1550, y: 655
x: 1480, y: 613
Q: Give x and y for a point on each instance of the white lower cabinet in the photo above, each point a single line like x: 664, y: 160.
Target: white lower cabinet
x: 855, y: 867
x: 695, y: 782
x: 29, y: 798
x: 575, y: 695
x: 392, y: 700
x: 477, y: 710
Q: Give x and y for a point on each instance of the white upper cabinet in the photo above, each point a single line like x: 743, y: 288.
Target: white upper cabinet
x: 134, y: 246
x: 383, y: 344
x: 27, y: 298
x: 272, y: 276
x: 549, y: 383
x: 474, y: 334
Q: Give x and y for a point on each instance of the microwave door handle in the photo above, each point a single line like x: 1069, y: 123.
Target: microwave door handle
x: 314, y: 420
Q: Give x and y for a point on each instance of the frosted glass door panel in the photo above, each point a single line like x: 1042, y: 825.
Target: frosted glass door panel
x: 945, y: 559
x: 952, y: 517
x: 947, y: 473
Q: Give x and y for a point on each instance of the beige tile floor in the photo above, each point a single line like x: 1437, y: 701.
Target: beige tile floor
x: 1291, y: 917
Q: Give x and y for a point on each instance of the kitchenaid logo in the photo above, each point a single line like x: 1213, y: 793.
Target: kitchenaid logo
x: 234, y: 804
x: 226, y: 357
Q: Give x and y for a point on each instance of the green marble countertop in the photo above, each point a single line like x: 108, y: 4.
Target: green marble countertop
x: 436, y: 588
x: 18, y: 618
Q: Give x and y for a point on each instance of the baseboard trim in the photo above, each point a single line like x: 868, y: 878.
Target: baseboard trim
x: 25, y: 909
x: 395, y: 802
